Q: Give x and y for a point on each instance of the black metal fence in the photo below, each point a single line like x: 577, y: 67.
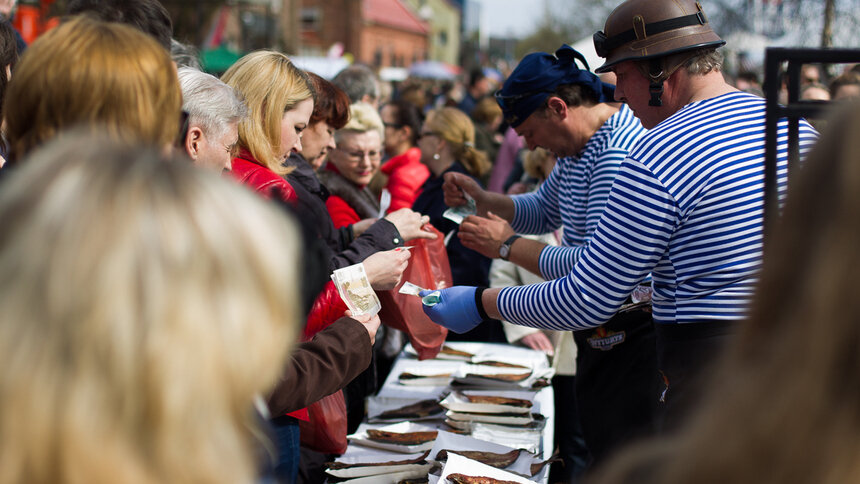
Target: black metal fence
x: 789, y: 61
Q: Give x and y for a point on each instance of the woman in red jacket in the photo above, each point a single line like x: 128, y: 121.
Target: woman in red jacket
x: 404, y: 171
x: 280, y: 101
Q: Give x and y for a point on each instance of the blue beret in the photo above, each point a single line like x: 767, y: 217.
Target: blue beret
x: 538, y: 75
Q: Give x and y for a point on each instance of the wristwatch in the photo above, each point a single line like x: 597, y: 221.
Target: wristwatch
x: 505, y: 249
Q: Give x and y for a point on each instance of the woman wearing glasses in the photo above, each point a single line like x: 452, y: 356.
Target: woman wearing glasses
x: 403, y: 173
x: 352, y: 165
x: 447, y: 144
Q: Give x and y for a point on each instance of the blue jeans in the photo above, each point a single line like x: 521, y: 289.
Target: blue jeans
x: 287, y: 439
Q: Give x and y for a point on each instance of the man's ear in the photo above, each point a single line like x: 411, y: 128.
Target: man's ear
x: 408, y: 132
x: 193, y: 141
x: 557, y: 107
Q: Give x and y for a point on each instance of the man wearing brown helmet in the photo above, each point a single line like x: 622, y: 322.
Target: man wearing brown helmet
x: 686, y: 205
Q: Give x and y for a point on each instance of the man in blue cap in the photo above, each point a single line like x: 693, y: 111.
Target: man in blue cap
x: 556, y: 105
x: 685, y: 208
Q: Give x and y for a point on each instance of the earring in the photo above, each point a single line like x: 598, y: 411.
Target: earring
x: 436, y: 156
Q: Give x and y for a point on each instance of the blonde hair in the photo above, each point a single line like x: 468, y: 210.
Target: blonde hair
x: 142, y: 311
x: 271, y: 85
x: 362, y: 118
x: 533, y: 163
x: 87, y: 71
x: 457, y: 130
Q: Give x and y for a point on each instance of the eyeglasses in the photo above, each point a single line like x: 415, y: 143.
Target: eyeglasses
x: 428, y: 133
x: 393, y: 125
x: 507, y: 103
x: 183, y: 128
x: 356, y: 155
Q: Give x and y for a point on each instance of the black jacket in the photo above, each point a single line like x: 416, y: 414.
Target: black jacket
x: 345, y: 249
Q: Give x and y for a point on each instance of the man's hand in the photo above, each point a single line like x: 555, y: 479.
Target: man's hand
x: 485, y: 235
x: 410, y: 224
x: 371, y: 324
x: 456, y: 184
x: 538, y: 341
x: 385, y: 269
x: 456, y: 309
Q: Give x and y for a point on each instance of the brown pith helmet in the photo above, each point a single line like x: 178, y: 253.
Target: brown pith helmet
x: 646, y: 29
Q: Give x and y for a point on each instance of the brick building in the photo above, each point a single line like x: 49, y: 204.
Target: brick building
x: 380, y: 33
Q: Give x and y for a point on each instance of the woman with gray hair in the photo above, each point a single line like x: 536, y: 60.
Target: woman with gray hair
x: 213, y: 111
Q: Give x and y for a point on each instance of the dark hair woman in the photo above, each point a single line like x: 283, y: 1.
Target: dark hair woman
x: 403, y: 173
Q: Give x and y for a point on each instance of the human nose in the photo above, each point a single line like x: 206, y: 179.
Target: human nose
x: 619, y: 93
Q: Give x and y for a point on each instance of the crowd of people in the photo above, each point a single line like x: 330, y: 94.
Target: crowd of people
x: 169, y: 236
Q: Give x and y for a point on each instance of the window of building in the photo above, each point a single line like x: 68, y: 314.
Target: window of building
x: 311, y: 18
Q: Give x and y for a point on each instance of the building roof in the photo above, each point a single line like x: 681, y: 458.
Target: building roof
x: 393, y: 13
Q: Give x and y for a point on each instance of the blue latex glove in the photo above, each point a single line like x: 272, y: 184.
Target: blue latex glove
x: 456, y: 309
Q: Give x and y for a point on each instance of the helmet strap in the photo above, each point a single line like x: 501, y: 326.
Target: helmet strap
x: 655, y: 75
x: 659, y: 69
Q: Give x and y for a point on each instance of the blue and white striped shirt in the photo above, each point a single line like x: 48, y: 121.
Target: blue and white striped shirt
x: 575, y: 193
x: 686, y: 207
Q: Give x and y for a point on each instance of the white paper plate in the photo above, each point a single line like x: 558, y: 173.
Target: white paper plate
x: 458, y: 402
x: 353, y: 472
x: 360, y: 437
x: 378, y: 405
x: 389, y: 478
x: 426, y: 376
x: 459, y: 464
x: 491, y: 418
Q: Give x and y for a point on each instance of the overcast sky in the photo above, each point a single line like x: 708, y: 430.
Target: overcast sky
x: 508, y: 17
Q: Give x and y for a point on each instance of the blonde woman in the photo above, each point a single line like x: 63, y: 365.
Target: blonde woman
x: 447, y: 144
x: 91, y: 72
x: 279, y: 97
x: 142, y: 312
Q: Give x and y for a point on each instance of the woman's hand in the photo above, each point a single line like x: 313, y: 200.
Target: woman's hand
x: 385, y: 269
x: 371, y: 324
x: 410, y: 224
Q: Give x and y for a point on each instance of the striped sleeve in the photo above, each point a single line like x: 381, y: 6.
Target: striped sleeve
x: 630, y: 239
x: 557, y: 262
x: 538, y: 212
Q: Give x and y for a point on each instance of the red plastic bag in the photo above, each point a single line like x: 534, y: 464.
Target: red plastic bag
x: 429, y: 268
x: 326, y: 430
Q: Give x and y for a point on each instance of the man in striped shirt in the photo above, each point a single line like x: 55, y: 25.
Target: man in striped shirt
x: 686, y: 205
x: 558, y: 106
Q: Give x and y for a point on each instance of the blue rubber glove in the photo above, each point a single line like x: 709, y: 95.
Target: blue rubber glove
x: 456, y: 309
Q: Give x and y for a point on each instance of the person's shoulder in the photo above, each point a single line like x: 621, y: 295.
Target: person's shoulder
x: 622, y: 130
x: 261, y: 179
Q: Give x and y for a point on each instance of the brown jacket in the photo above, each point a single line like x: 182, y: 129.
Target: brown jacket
x: 322, y: 366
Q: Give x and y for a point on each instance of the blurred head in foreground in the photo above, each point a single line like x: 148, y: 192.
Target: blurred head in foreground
x: 88, y: 72
x: 142, y: 312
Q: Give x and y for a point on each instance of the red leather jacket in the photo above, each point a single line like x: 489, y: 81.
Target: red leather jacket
x: 406, y: 174
x: 266, y: 182
x: 328, y: 306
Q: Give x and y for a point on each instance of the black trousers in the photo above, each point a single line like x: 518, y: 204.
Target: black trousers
x: 616, y: 380
x: 574, y: 454
x: 685, y: 353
